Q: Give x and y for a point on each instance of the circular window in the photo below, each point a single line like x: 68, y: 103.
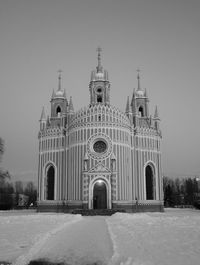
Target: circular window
x: 100, y: 146
x: 99, y: 90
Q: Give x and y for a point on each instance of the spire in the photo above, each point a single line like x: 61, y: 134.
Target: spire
x: 99, y: 67
x: 64, y: 95
x: 156, y: 115
x: 133, y: 97
x: 43, y: 115
x: 127, y: 106
x: 59, y: 80
x: 53, y: 94
x: 71, y: 107
x: 145, y: 93
x: 138, y: 78
x: 48, y: 121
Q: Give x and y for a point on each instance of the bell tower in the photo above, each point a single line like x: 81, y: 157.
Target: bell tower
x: 99, y: 86
x: 140, y: 101
x: 59, y: 104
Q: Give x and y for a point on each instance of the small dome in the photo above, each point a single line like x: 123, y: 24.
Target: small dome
x: 140, y: 93
x: 99, y: 75
x: 59, y: 93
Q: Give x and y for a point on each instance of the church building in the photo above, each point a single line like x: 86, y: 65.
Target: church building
x: 100, y: 157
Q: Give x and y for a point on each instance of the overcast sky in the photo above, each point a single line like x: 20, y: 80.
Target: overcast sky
x: 39, y: 37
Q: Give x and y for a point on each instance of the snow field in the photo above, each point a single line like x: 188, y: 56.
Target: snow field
x: 23, y: 235
x: 170, y: 238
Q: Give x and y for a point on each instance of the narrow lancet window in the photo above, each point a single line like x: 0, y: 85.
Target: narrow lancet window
x: 141, y: 111
x: 58, y: 111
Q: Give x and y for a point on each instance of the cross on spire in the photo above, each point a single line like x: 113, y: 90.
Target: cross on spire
x: 59, y: 71
x: 99, y: 67
x: 138, y: 70
x: 99, y: 50
x: 59, y: 79
x: 138, y: 77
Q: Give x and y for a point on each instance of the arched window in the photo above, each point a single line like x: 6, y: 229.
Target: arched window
x: 58, y: 111
x: 149, y: 183
x: 99, y: 98
x: 50, y: 183
x: 141, y: 111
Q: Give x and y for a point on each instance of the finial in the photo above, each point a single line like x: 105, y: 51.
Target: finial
x: 53, y: 94
x: 71, y: 107
x: 138, y: 77
x: 43, y: 116
x: 59, y: 79
x: 156, y: 115
x: 127, y: 106
x: 64, y: 95
x: 99, y: 67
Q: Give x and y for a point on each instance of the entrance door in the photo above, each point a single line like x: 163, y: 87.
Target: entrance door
x: 100, y: 195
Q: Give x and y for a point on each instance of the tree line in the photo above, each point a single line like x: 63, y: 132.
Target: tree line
x: 181, y: 192
x: 15, y: 195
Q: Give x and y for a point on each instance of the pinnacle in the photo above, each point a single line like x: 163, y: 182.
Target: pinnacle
x: 43, y: 115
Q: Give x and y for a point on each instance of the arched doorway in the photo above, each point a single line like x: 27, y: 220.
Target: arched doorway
x: 100, y: 195
x: 149, y: 183
x: 50, y: 183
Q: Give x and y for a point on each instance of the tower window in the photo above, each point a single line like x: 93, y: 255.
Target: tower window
x: 99, y: 90
x: 58, y: 111
x: 141, y: 111
x: 99, y: 99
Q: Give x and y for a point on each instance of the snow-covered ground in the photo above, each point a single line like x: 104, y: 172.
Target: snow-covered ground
x: 170, y: 238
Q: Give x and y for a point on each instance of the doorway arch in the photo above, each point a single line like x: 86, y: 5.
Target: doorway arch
x: 99, y: 195
x: 106, y: 188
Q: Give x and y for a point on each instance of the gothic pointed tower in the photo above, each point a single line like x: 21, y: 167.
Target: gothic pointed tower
x: 99, y: 84
x: 58, y: 103
x: 141, y: 99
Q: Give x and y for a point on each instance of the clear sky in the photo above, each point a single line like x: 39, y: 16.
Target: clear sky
x: 39, y: 37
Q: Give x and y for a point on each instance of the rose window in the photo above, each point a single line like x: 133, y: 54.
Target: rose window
x: 100, y: 146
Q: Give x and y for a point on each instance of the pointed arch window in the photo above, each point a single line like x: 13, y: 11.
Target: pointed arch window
x: 141, y: 111
x: 149, y: 177
x: 50, y: 183
x: 58, y: 111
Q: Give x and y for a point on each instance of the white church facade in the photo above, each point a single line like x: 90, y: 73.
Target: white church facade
x: 100, y: 157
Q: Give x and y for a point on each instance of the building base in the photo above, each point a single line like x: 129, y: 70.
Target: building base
x: 117, y: 206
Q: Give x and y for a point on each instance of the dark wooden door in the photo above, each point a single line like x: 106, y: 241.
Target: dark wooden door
x: 100, y: 196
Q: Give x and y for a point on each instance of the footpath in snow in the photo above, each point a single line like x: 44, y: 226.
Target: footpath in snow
x: 170, y: 238
x: 85, y: 242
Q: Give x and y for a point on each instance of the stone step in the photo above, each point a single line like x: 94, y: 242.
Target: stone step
x: 103, y: 212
